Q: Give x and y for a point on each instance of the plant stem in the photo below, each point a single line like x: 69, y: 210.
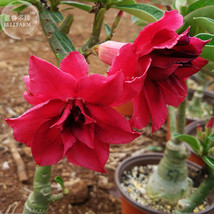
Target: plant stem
x: 97, y: 26
x: 54, y: 4
x: 169, y: 182
x: 195, y: 199
x: 172, y: 121
x: 38, y: 200
x: 181, y: 119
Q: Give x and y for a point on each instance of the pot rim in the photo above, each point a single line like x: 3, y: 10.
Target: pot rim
x: 135, y: 159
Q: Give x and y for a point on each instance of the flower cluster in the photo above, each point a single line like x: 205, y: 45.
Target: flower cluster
x: 73, y: 114
x: 155, y: 68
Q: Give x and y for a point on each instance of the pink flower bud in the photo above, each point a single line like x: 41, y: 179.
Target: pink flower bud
x: 108, y: 50
x: 210, y: 123
x: 120, y: 14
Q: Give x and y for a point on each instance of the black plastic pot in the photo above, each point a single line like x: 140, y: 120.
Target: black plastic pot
x: 129, y: 206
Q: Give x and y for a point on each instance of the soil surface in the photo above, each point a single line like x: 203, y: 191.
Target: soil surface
x: 90, y: 192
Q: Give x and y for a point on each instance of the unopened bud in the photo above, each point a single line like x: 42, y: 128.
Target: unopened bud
x: 210, y: 123
x: 117, y: 20
x: 108, y: 50
x: 209, y: 126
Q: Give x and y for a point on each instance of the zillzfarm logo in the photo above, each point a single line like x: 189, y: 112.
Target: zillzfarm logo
x: 19, y: 20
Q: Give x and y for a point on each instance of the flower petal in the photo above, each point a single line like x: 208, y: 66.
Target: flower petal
x: 174, y: 90
x: 75, y: 64
x: 156, y: 73
x: 48, y: 82
x: 125, y: 61
x: 94, y: 159
x: 68, y: 139
x: 84, y: 134
x: 25, y: 126
x: 141, y: 115
x: 111, y: 127
x: 188, y: 70
x: 194, y: 47
x: 47, y: 147
x: 159, y: 34
x: 99, y: 89
x: 156, y: 104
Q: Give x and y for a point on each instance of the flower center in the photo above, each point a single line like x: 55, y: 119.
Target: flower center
x: 75, y: 118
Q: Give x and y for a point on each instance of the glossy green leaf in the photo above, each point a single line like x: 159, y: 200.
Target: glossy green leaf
x: 148, y: 13
x: 57, y: 16
x: 209, y: 161
x: 19, y: 9
x: 192, y: 141
x: 77, y: 5
x: 59, y: 42
x: 211, y: 137
x: 206, y: 36
x: 64, y: 41
x: 4, y: 3
x: 206, y: 23
x: 59, y: 180
x: 189, y: 19
x: 208, y: 50
x: 108, y: 29
x: 138, y: 21
x: 199, y: 4
x: 121, y: 2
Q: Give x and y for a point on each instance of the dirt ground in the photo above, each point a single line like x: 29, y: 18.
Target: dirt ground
x: 92, y: 193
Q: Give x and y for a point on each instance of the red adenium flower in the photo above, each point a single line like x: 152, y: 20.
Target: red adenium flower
x: 155, y: 68
x: 72, y: 116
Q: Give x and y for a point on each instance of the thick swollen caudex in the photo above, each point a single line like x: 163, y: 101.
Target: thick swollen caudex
x: 169, y: 182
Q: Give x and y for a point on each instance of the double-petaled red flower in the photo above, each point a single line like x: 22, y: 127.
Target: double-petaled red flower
x: 155, y: 68
x: 71, y: 116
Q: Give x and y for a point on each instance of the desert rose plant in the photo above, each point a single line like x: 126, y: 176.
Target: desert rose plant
x: 73, y: 114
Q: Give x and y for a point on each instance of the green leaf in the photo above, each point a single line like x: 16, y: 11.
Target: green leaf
x: 59, y: 180
x: 64, y: 41
x: 209, y: 161
x: 139, y: 22
x: 206, y: 36
x: 19, y: 9
x: 108, y: 29
x: 206, y: 23
x: 208, y: 50
x: 57, y: 16
x: 121, y: 2
x: 148, y: 13
x: 4, y: 3
x: 189, y: 19
x: 211, y: 137
x: 199, y: 4
x: 77, y: 5
x: 192, y: 141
